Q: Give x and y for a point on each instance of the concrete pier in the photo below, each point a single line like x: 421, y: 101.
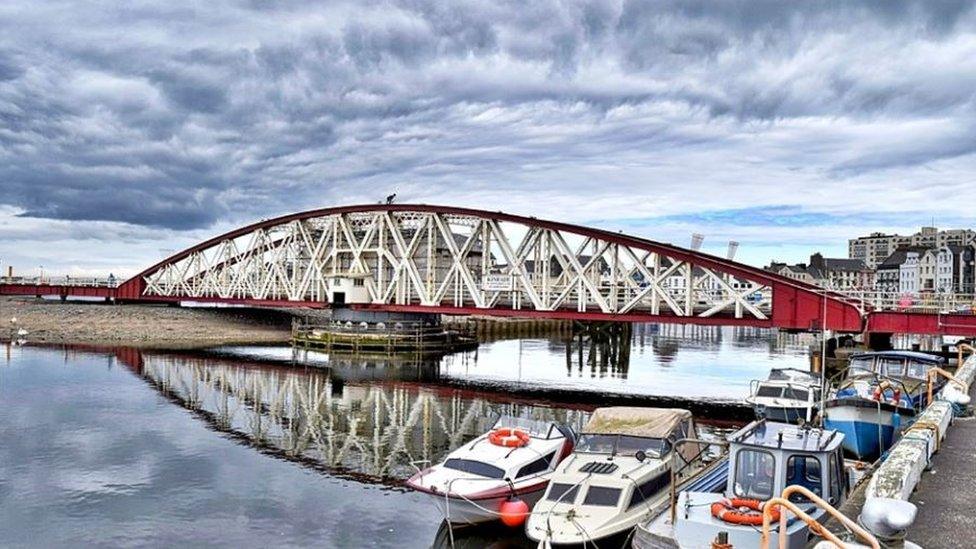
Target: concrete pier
x: 915, y: 459
x: 946, y: 494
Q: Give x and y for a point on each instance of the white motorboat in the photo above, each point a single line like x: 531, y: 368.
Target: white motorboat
x: 788, y: 394
x: 512, y: 462
x: 619, y: 475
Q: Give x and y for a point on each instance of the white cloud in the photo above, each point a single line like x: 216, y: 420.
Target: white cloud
x: 157, y: 123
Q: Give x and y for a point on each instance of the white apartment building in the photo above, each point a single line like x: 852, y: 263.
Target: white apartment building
x: 908, y: 273
x: 874, y: 248
x: 944, y: 275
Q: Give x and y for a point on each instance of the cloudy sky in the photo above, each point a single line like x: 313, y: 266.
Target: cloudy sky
x: 129, y: 130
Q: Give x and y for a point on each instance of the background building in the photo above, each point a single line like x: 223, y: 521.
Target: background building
x: 828, y: 272
x: 874, y: 248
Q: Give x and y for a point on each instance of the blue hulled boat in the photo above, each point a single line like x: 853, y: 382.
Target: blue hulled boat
x: 880, y: 396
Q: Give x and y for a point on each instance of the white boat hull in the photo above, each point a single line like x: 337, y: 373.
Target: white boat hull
x: 457, y: 510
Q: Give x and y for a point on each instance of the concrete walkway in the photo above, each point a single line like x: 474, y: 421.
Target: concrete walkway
x: 946, y: 496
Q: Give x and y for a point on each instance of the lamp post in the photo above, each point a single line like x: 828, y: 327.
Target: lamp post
x: 823, y: 355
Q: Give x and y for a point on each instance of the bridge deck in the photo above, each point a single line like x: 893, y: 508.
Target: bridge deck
x: 959, y: 324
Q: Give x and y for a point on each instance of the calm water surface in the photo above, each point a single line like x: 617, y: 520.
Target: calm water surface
x: 129, y: 448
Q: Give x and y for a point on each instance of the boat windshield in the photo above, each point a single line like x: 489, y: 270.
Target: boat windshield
x: 754, y: 474
x: 861, y: 366
x: 893, y: 367
x: 795, y: 393
x: 474, y: 467
x: 773, y: 391
x: 918, y: 370
x: 622, y: 444
x: 534, y: 427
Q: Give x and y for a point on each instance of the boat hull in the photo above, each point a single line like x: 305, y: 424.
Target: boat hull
x: 457, y: 510
x: 869, y: 430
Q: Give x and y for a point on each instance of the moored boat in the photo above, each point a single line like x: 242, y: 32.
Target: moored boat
x: 513, y: 462
x: 787, y: 394
x: 880, y: 397
x: 764, y: 459
x: 618, y: 475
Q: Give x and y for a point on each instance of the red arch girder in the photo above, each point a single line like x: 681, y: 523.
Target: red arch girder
x: 795, y: 305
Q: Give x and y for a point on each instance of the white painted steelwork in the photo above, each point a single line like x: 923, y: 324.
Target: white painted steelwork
x: 438, y: 259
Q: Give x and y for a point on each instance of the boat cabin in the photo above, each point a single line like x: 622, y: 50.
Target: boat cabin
x: 765, y: 458
x: 897, y: 364
x: 618, y: 474
x: 787, y: 395
x: 625, y: 431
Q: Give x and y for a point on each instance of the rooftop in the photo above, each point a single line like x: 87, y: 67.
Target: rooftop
x: 769, y: 434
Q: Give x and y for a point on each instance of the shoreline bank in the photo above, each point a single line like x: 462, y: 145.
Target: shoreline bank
x: 149, y: 326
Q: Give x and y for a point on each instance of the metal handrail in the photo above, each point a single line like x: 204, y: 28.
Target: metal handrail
x: 963, y: 347
x: 84, y: 281
x: 935, y: 372
x: 815, y: 527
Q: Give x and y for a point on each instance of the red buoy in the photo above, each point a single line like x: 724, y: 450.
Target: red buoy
x: 514, y: 512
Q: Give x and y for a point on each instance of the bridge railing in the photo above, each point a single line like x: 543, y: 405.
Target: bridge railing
x: 84, y: 281
x: 924, y: 302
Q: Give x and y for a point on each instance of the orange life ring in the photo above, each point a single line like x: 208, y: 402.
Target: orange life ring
x: 742, y: 511
x: 508, y: 437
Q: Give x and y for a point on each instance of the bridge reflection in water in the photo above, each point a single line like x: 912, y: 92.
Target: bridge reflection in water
x: 375, y: 432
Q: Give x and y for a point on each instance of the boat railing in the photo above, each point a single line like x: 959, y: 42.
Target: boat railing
x: 815, y: 527
x: 703, y: 446
x: 884, y: 382
x: 538, y: 428
x: 936, y: 372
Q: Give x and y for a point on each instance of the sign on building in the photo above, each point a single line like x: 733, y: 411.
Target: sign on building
x: 497, y: 283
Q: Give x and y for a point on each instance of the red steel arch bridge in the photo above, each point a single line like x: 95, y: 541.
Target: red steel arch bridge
x: 437, y: 259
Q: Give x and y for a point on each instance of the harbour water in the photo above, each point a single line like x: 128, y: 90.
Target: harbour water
x: 260, y: 447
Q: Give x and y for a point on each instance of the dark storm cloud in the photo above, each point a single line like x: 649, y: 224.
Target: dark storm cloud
x: 9, y: 70
x: 169, y: 115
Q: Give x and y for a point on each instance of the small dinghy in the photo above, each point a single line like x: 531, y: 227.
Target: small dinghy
x: 619, y: 475
x: 788, y: 395
x: 499, y: 475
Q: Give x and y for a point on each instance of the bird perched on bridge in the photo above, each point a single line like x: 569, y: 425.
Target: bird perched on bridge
x: 390, y: 198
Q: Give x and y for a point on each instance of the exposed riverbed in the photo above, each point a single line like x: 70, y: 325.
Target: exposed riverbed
x: 53, y: 321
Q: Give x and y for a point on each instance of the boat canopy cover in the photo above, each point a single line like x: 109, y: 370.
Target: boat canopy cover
x: 638, y: 422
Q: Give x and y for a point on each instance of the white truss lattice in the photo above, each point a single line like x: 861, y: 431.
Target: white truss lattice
x: 452, y: 260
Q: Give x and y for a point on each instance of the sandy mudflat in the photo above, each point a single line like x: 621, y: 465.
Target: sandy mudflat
x: 139, y: 325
